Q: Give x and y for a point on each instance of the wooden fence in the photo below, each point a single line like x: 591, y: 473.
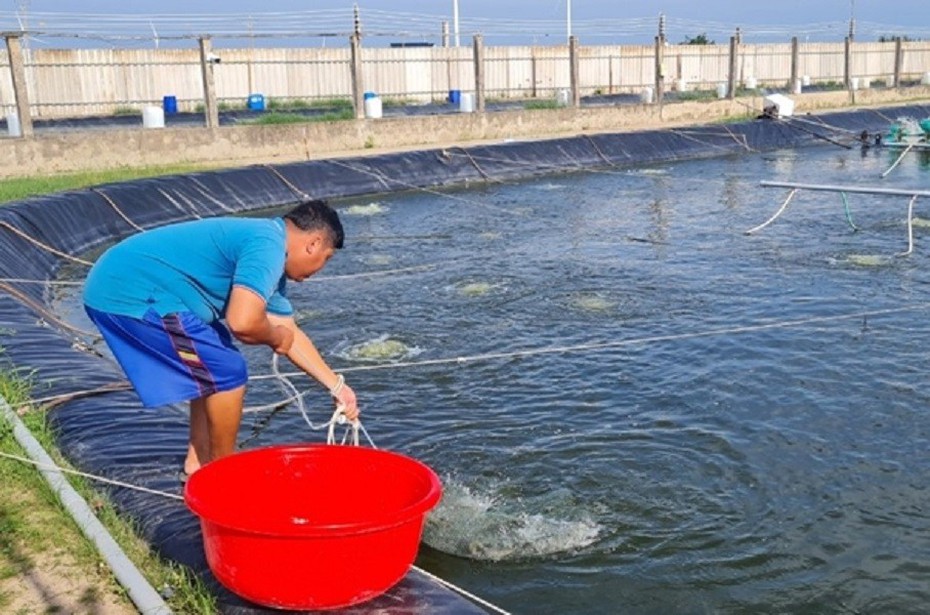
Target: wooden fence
x: 80, y: 82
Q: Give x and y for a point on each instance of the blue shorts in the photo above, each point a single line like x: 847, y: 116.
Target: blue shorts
x: 172, y: 358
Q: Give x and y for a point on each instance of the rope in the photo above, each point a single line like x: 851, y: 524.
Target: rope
x: 46, y: 314
x: 101, y: 479
x: 910, y: 227
x: 491, y: 356
x: 45, y: 246
x: 300, y: 193
x: 777, y: 213
x: 386, y: 182
x: 116, y: 208
x: 848, y: 212
x: 898, y: 161
x: 463, y: 592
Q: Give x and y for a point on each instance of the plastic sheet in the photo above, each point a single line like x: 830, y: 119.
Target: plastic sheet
x: 109, y: 434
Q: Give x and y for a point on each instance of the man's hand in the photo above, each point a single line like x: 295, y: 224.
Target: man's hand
x: 346, y: 397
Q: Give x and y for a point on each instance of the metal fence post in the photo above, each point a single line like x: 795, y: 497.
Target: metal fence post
x: 479, y: 73
x: 573, y: 70
x: 795, y: 64
x: 207, y: 60
x: 18, y: 71
x: 847, y: 62
x: 660, y: 69
x: 731, y: 77
x: 358, y: 94
x: 898, y: 60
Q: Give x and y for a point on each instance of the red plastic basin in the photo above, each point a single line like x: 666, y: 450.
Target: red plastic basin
x: 312, y: 526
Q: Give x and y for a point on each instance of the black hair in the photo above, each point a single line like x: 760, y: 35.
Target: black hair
x: 316, y: 215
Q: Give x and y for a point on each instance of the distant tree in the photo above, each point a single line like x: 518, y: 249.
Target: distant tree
x: 890, y: 39
x: 700, y: 39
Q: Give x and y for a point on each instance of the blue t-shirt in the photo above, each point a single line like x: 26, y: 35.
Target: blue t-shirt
x: 192, y: 266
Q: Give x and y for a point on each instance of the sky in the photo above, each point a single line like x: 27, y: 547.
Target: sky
x: 502, y: 22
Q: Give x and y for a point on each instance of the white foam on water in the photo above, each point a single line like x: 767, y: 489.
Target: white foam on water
x: 475, y: 289
x: 592, y: 302
x: 550, y: 186
x: 487, y: 526
x: 920, y: 222
x: 372, y: 209
x: 869, y: 260
x: 378, y: 259
x: 381, y: 348
x: 648, y: 172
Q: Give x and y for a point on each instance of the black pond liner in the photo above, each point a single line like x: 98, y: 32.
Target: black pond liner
x: 110, y: 435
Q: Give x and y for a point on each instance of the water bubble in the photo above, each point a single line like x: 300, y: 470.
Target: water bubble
x: 592, y: 302
x: 383, y: 348
x: 487, y: 527
x: 372, y: 209
x: 868, y: 260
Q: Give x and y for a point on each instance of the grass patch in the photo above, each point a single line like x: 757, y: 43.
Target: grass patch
x: 697, y: 95
x: 33, y: 523
x: 541, y: 104
x: 275, y: 118
x: 17, y: 188
x: 126, y: 110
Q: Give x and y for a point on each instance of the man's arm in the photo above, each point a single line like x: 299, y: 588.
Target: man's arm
x: 249, y: 322
x: 303, y: 354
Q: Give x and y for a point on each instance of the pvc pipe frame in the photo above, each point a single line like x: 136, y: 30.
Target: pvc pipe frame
x: 142, y: 594
x: 859, y: 190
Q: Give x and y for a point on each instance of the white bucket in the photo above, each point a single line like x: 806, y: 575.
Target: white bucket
x: 721, y: 90
x: 646, y: 96
x: 467, y: 102
x: 925, y: 80
x: 865, y: 83
x: 153, y: 117
x: 563, y: 97
x: 798, y: 86
x: 373, y: 107
x: 682, y: 85
x: 12, y: 125
x: 854, y: 83
x: 751, y: 83
x: 806, y: 80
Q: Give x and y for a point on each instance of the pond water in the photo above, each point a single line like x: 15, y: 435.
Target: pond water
x: 634, y: 406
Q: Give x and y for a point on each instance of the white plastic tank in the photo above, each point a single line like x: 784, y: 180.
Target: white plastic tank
x: 751, y: 83
x: 806, y: 80
x: 721, y: 90
x: 563, y: 97
x: 12, y: 125
x: 374, y: 109
x: 854, y: 83
x: 153, y: 117
x: 798, y: 86
x: 467, y: 102
x: 647, y: 95
x: 682, y: 85
x: 925, y: 80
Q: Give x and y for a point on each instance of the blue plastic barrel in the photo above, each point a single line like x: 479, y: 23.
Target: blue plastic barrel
x: 368, y: 95
x: 256, y: 102
x: 455, y: 96
x: 170, y: 105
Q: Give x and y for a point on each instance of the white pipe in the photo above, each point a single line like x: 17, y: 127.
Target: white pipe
x: 142, y: 594
x: 455, y: 21
x: 858, y: 190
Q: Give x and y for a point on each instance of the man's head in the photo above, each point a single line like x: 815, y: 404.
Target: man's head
x: 314, y: 233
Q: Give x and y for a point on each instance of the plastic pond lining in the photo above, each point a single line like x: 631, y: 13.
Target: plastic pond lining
x: 41, y: 235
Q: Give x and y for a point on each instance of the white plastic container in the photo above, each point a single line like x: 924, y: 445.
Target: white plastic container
x: 12, y: 125
x: 925, y: 80
x: 751, y: 83
x: 865, y: 83
x: 682, y: 85
x: 153, y: 117
x: 721, y: 90
x: 467, y: 102
x: 806, y: 80
x: 854, y: 83
x: 563, y: 97
x: 798, y: 86
x: 647, y: 95
x: 374, y: 109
